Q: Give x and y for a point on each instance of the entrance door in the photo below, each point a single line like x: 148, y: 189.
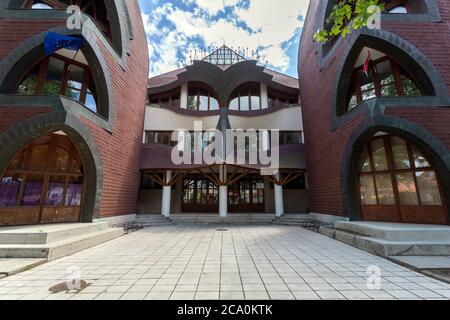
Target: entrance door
x: 44, y: 183
x: 200, y: 195
x: 397, y: 184
x: 247, y: 195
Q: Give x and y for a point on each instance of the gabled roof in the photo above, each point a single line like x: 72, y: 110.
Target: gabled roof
x: 224, y: 56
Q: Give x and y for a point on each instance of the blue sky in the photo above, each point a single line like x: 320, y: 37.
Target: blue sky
x: 176, y: 27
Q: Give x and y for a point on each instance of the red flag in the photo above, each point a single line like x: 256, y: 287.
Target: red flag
x: 369, y: 66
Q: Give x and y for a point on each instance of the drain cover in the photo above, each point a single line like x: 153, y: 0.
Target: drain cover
x: 67, y: 287
x: 222, y: 230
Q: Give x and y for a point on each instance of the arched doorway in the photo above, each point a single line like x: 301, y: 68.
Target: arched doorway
x: 44, y: 183
x: 398, y: 184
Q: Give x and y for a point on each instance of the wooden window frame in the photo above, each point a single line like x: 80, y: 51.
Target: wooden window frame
x: 396, y: 73
x: 393, y: 172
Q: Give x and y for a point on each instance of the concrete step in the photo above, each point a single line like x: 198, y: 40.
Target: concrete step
x: 386, y: 248
x: 243, y: 219
x: 42, y: 234
x: 58, y: 249
x: 395, y: 231
x: 285, y: 223
x: 9, y: 267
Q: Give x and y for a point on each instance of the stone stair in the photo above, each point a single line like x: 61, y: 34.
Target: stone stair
x: 231, y: 219
x: 291, y: 219
x: 393, y: 239
x: 53, y: 241
x: 152, y: 220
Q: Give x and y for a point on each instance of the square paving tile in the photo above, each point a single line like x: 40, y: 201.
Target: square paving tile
x: 197, y: 262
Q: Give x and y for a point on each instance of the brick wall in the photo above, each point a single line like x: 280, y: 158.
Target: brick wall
x: 325, y: 147
x: 119, y: 150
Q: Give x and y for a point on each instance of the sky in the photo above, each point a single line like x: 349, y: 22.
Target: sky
x: 176, y: 28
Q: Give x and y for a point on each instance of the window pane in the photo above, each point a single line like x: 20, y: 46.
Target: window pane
x: 419, y: 159
x: 52, y: 85
x: 379, y: 155
x: 409, y: 87
x: 384, y: 74
x: 17, y: 162
x: 365, y: 161
x: 214, y: 104
x: 62, y: 158
x: 32, y: 191
x: 244, y: 103
x: 407, y: 189
x: 203, y: 103
x: 385, y: 189
x: 367, y: 190
x: 352, y: 103
x: 400, y: 153
x: 234, y: 104
x: 428, y: 188
x: 38, y: 156
x: 90, y: 102
x: 74, y: 192
x: 55, y: 193
x: 9, y: 189
x: 255, y: 100
x: 192, y: 103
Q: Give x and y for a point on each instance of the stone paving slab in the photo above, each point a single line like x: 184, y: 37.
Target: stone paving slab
x: 244, y: 262
x: 11, y: 266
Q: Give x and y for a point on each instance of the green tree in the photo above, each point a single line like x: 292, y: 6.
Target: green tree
x: 347, y: 15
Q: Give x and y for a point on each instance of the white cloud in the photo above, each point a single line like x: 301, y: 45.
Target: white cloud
x: 269, y: 25
x: 213, y: 7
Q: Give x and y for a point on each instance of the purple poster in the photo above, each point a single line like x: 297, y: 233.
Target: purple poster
x: 9, y: 191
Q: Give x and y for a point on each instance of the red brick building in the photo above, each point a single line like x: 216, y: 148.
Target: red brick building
x: 70, y: 123
x: 378, y: 136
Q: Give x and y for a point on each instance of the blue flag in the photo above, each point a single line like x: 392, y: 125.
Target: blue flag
x: 55, y: 41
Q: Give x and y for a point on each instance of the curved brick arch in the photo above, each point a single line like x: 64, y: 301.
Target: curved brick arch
x: 23, y: 133
x: 432, y: 148
x: 23, y: 57
x: 117, y: 11
x: 427, y: 11
x: 400, y: 49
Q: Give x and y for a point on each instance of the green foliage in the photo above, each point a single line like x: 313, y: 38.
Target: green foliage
x: 345, y: 16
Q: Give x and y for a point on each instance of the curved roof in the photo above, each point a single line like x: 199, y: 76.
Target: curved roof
x: 224, y: 59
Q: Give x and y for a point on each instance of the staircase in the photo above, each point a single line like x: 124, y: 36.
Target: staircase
x: 291, y: 219
x: 152, y: 220
x: 393, y: 239
x: 231, y: 219
x: 53, y: 241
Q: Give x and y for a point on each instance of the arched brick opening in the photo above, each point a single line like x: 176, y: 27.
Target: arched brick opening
x: 27, y: 54
x: 399, y: 50
x: 431, y: 147
x: 22, y: 134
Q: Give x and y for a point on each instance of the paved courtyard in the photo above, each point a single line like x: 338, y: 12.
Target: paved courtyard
x: 245, y: 262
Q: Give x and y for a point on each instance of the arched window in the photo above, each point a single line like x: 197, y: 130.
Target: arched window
x: 397, y: 183
x: 64, y: 73
x: 43, y: 183
x: 95, y: 9
x: 246, y: 97
x: 375, y: 74
x: 201, y: 97
x: 398, y: 6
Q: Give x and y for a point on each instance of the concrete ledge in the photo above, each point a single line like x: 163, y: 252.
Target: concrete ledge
x: 117, y: 219
x: 327, y: 218
x: 9, y: 267
x: 396, y: 231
